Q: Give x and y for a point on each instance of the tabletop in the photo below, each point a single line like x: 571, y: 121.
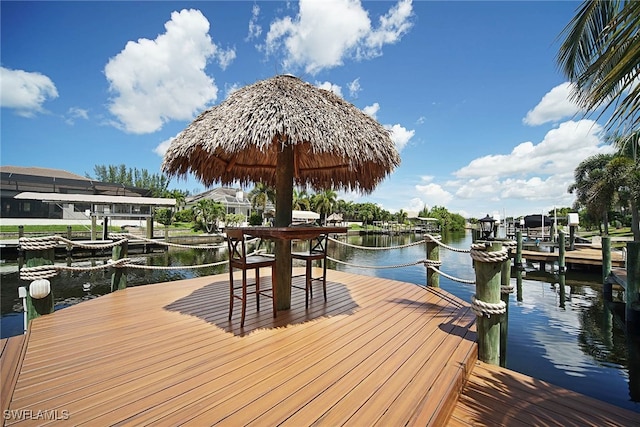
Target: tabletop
x: 292, y: 232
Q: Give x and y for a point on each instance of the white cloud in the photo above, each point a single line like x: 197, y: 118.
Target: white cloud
x: 75, y: 113
x: 433, y: 193
x: 25, y: 91
x: 372, y: 110
x: 561, y: 150
x: 254, y: 29
x: 162, y: 148
x: 554, y: 106
x: 326, y: 33
x: 415, y: 205
x: 330, y: 87
x: 532, y: 177
x: 354, y: 88
x: 155, y: 81
x: 400, y: 136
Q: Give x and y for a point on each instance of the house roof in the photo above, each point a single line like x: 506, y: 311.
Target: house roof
x: 93, y: 198
x: 43, y: 172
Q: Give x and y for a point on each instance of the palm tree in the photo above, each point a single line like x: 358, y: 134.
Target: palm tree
x: 208, y: 212
x: 601, y: 57
x: 401, y: 216
x: 260, y: 196
x: 628, y: 174
x: 324, y: 202
x: 301, y: 200
x: 593, y: 188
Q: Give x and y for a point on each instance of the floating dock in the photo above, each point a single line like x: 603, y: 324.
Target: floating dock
x: 378, y: 352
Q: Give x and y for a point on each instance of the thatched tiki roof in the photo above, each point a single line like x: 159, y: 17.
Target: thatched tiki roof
x: 334, y: 144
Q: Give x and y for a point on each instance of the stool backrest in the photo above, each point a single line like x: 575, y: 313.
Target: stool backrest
x: 235, y: 242
x: 318, y: 245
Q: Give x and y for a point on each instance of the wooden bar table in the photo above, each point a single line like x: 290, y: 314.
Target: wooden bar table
x: 283, y: 256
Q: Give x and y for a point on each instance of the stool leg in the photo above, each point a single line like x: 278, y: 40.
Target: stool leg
x: 257, y: 289
x: 273, y: 291
x: 244, y: 296
x: 231, y: 296
x: 308, y: 291
x: 324, y: 278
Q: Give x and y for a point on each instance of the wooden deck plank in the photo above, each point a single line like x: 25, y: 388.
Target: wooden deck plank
x: 496, y: 396
x: 195, y: 361
x: 378, y: 352
x: 378, y: 367
x: 12, y: 351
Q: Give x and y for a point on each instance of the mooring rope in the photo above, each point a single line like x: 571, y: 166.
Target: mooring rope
x: 436, y: 239
x: 376, y: 267
x: 51, y: 242
x: 377, y: 248
x: 479, y: 253
x: 481, y: 308
x: 169, y: 244
x: 455, y: 279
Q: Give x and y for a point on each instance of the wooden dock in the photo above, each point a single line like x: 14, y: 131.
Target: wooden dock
x: 586, y: 256
x: 378, y: 352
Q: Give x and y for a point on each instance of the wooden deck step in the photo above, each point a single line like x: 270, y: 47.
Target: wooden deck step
x: 495, y: 396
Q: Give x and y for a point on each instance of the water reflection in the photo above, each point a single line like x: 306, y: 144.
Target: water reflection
x: 560, y: 330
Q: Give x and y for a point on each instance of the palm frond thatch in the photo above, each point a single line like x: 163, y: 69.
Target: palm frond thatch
x: 335, y: 145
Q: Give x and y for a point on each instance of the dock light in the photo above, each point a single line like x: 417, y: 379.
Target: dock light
x: 486, y: 226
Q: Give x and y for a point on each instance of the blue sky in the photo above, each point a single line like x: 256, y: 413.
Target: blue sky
x: 472, y: 92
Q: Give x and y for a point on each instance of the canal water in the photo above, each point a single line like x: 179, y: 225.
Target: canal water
x: 564, y: 336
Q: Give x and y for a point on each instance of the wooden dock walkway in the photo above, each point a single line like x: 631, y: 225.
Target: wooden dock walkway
x: 378, y: 352
x: 580, y: 256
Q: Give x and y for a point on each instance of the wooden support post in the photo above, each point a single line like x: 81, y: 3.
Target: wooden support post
x: 433, y: 254
x: 519, y: 285
x: 105, y: 228
x: 632, y: 297
x: 572, y: 237
x: 518, y: 259
x: 505, y: 291
x: 562, y: 267
x: 69, y: 245
x: 606, y: 257
x: 488, y: 276
x: 284, y: 196
x: 119, y: 275
x: 21, y: 252
x: 94, y: 226
x: 149, y: 227
x: 562, y: 282
x: 36, y: 307
x: 633, y: 358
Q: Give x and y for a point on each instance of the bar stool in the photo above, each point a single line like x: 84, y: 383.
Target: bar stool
x: 317, y: 251
x: 238, y: 259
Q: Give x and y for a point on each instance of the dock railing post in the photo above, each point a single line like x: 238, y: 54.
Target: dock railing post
x: 606, y: 257
x: 433, y: 255
x: 518, y: 259
x: 506, y: 289
x: 572, y: 237
x: 486, y: 303
x: 562, y: 253
x: 119, y: 275
x: 39, y: 296
x: 562, y: 267
x: 632, y: 297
